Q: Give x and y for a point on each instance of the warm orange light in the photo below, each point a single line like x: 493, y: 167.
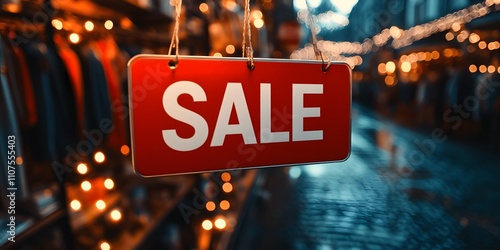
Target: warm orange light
x: 19, y: 160
x: 483, y: 68
x: 258, y: 23
x: 257, y: 14
x: 482, y: 45
x: 227, y: 187
x: 474, y: 38
x: 75, y: 205
x: 203, y: 7
x: 492, y: 46
x: 126, y: 23
x: 406, y: 67
x: 207, y: 225
x: 220, y: 223
x: 491, y: 69
x: 390, y: 81
x: 390, y: 67
x: 86, y: 186
x: 456, y: 27
x: 498, y: 70
x: 449, y: 36
x: 108, y: 24
x: 224, y: 205
x: 395, y: 32
x: 225, y: 176
x: 381, y: 69
x: 210, y: 206
x: 109, y: 184
x: 473, y: 68
x: 230, y: 49
x: 100, y: 204
x: 12, y: 7
x: 217, y: 54
x: 421, y: 56
x: 448, y: 52
x: 125, y: 150
x: 82, y: 168
x: 428, y: 56
x: 89, y: 26
x: 435, y: 55
x: 74, y: 38
x: 115, y: 215
x: 105, y: 246
x: 99, y: 157
x: 57, y: 24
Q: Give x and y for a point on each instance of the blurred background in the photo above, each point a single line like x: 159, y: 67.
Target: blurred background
x: 424, y: 168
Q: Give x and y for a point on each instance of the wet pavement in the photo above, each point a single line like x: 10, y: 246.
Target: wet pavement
x: 398, y: 190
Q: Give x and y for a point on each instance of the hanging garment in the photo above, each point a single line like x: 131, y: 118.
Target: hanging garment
x: 9, y: 126
x: 73, y: 66
x: 42, y: 136
x: 113, y: 67
x: 27, y: 86
x: 96, y: 95
x: 14, y: 80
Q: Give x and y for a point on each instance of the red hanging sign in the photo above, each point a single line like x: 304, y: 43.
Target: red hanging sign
x: 215, y: 114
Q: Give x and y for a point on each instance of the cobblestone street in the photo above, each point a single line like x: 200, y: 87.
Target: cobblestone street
x: 385, y: 196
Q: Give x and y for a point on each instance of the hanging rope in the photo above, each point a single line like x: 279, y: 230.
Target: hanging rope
x: 175, y: 36
x: 318, y: 53
x: 247, y: 34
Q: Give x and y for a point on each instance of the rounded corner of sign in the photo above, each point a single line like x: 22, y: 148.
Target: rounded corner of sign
x: 138, y: 173
x: 133, y: 59
x: 348, y: 155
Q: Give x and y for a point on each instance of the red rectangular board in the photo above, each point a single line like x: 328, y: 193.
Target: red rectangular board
x: 212, y: 114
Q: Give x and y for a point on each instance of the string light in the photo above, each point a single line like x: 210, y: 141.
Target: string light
x: 217, y: 54
x: 334, y: 49
x: 225, y: 176
x: 203, y: 7
x: 483, y: 69
x: 390, y: 81
x: 390, y: 67
x: 105, y: 246
x: 99, y: 157
x: 125, y: 150
x: 86, y: 186
x: 57, y: 24
x: 258, y: 23
x: 227, y: 187
x: 74, y: 38
x: 220, y: 223
x: 115, y: 215
x: 381, y: 68
x: 491, y: 69
x: 257, y: 14
x: 75, y: 205
x: 108, y: 24
x: 100, y: 204
x: 482, y: 45
x: 406, y: 67
x: 207, y: 225
x: 474, y: 38
x: 224, y: 205
x: 473, y: 68
x: 82, y: 168
x: 109, y: 184
x: 210, y: 206
x: 89, y: 26
x: 230, y: 49
x: 19, y: 160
